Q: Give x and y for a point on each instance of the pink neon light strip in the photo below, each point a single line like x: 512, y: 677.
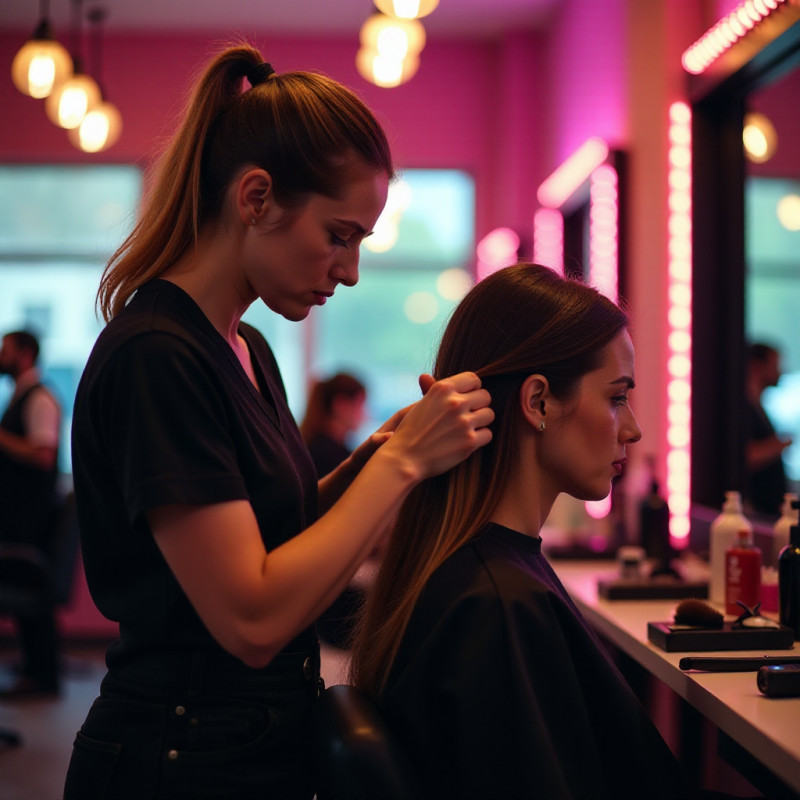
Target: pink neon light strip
x: 548, y: 239
x: 729, y: 30
x: 679, y: 317
x: 556, y: 189
x: 604, y: 231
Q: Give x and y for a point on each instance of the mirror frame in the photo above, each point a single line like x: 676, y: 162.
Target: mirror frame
x: 718, y: 99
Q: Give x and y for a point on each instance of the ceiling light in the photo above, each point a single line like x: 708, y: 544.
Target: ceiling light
x: 407, y: 9
x: 99, y: 129
x: 385, y: 71
x: 70, y: 101
x: 759, y: 137
x: 67, y: 105
x: 41, y: 63
x: 102, y: 125
x: 392, y: 38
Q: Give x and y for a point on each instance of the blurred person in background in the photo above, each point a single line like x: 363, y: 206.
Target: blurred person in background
x: 334, y: 412
x: 29, y: 443
x: 766, y: 477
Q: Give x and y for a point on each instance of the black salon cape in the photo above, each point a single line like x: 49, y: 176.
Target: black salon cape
x: 500, y: 689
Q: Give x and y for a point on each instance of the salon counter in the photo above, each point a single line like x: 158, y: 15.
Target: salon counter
x: 768, y: 729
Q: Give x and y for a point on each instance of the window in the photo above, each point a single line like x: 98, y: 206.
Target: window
x: 58, y: 227
x: 60, y: 224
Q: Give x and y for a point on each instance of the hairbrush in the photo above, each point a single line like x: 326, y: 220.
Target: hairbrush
x: 696, y: 613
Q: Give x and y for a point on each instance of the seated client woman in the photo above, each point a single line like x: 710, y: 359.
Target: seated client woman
x: 478, y: 658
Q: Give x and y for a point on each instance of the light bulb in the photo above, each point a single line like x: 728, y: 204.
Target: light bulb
x: 99, y: 129
x: 383, y: 70
x: 759, y: 137
x: 70, y: 101
x: 379, y: 31
x: 407, y: 9
x: 39, y: 65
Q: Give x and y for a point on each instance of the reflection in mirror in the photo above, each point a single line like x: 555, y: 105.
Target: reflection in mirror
x: 579, y: 231
x: 772, y: 281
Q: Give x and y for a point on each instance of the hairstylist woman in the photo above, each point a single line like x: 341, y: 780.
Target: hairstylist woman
x: 197, y: 499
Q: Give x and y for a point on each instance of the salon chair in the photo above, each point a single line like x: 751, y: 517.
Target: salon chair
x: 34, y: 578
x: 356, y: 757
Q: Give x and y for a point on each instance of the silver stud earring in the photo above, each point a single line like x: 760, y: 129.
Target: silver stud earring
x: 541, y: 426
x: 252, y: 220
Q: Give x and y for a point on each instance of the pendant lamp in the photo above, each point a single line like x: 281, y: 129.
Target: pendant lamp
x: 407, y: 9
x: 67, y: 105
x: 41, y: 63
x: 392, y: 38
x: 102, y: 125
x: 383, y: 70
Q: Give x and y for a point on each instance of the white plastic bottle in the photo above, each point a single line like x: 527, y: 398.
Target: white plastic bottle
x: 780, y: 532
x: 722, y: 535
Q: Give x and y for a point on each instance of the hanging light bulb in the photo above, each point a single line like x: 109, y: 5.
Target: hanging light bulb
x: 67, y: 105
x: 392, y: 38
x: 385, y: 71
x: 390, y: 48
x: 407, y: 9
x: 70, y: 101
x: 99, y: 129
x: 759, y: 137
x: 102, y: 125
x: 41, y: 63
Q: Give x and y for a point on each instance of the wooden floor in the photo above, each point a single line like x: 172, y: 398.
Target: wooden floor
x: 36, y: 769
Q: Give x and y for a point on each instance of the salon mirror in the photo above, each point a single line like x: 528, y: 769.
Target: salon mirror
x: 738, y: 287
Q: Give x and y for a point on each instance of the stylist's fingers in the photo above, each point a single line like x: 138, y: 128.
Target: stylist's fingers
x: 446, y: 425
x: 425, y: 382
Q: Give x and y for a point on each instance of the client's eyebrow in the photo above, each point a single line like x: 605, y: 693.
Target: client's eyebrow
x: 626, y: 380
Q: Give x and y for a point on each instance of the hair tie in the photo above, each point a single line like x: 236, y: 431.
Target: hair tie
x: 260, y: 73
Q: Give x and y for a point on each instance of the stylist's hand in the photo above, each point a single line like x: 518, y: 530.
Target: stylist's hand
x: 448, y: 424
x: 364, y: 451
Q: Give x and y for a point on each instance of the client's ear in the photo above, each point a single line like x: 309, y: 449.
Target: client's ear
x: 534, y: 398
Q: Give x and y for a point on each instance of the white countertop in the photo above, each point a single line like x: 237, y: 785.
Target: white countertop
x: 768, y: 728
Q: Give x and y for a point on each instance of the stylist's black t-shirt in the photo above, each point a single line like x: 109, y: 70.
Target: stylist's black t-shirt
x: 164, y: 413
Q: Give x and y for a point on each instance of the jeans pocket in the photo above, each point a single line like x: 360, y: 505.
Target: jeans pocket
x: 91, y: 769
x: 219, y: 733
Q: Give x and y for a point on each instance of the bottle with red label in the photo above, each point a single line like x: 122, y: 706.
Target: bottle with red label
x: 742, y: 573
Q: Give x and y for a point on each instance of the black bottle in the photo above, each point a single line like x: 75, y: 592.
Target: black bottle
x: 789, y: 579
x: 654, y: 528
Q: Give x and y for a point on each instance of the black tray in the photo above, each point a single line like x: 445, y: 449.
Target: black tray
x: 662, y: 587
x: 690, y: 640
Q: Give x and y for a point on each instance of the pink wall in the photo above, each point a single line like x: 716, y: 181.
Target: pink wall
x: 588, y: 60
x: 454, y: 113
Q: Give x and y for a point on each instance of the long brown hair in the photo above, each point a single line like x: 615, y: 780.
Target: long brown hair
x: 521, y: 320
x: 303, y: 128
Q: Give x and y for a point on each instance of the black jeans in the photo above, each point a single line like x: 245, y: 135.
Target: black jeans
x: 198, y: 727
